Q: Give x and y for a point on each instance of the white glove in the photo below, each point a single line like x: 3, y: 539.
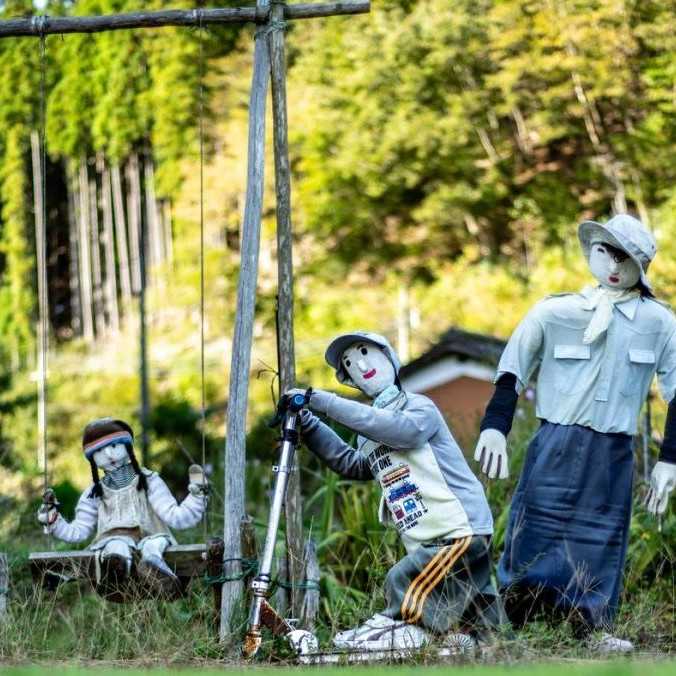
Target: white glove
x: 491, y: 452
x: 47, y: 515
x: 198, y: 484
x: 662, y: 482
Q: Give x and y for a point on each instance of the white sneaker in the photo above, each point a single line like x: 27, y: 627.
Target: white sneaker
x: 607, y: 644
x: 393, y: 635
x: 374, y: 623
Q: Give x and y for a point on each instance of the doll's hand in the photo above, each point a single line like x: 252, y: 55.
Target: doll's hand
x: 198, y: 484
x: 491, y: 453
x: 47, y: 515
x: 318, y: 398
x: 662, y: 482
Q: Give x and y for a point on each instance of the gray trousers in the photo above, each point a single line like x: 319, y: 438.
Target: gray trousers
x: 446, y: 585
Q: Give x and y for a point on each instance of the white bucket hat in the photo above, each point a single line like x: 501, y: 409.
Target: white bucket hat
x: 626, y: 233
x: 339, y: 344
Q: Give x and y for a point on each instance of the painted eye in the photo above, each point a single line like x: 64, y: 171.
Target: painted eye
x: 364, y: 350
x: 348, y: 363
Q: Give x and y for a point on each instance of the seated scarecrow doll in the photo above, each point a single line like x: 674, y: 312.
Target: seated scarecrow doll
x: 131, y: 509
x: 597, y: 352
x: 429, y: 494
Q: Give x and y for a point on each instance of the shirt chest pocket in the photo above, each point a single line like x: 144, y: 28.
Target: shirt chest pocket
x: 569, y: 366
x: 637, y: 371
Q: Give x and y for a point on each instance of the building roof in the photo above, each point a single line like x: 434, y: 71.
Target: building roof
x: 461, y: 345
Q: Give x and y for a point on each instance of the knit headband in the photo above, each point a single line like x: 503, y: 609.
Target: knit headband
x: 101, y: 442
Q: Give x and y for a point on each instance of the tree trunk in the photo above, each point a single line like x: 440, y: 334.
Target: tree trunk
x: 155, y: 243
x: 134, y: 216
x: 99, y: 313
x: 166, y: 227
x: 85, y: 260
x: 4, y: 586
x: 121, y: 234
x: 110, y: 287
x: 73, y: 256
x: 240, y: 364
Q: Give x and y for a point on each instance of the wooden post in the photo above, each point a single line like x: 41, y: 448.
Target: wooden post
x: 287, y: 367
x: 4, y: 586
x: 214, y: 569
x: 310, y: 608
x: 240, y: 363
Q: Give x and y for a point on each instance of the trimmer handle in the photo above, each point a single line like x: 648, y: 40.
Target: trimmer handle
x: 290, y: 404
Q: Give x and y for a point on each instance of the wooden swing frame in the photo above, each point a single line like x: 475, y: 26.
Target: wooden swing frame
x: 269, y: 66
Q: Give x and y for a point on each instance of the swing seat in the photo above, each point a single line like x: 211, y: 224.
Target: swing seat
x: 51, y: 569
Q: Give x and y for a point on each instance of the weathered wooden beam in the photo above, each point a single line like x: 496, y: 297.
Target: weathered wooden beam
x: 184, y: 560
x: 39, y: 25
x: 4, y: 586
x: 240, y: 361
x: 287, y: 361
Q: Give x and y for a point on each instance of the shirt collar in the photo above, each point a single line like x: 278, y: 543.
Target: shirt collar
x: 626, y: 307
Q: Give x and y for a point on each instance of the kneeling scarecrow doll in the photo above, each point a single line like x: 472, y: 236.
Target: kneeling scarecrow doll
x: 597, y: 353
x: 429, y: 494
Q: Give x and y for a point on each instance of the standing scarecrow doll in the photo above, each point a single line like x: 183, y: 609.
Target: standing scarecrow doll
x: 131, y: 509
x: 429, y: 494
x: 597, y: 352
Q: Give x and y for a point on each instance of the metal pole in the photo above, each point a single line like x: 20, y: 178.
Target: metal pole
x: 261, y: 584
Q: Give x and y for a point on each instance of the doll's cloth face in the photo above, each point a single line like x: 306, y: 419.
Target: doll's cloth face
x: 369, y: 368
x: 111, y: 457
x: 613, y: 268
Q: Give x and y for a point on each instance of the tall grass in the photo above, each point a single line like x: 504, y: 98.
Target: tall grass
x: 355, y: 552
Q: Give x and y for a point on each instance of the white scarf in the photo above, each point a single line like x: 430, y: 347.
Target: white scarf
x: 602, y: 301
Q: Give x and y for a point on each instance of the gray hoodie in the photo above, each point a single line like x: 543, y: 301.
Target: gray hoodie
x: 428, y: 487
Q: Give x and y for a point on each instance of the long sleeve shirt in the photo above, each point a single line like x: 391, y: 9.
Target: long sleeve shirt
x: 162, y: 502
x: 601, y: 385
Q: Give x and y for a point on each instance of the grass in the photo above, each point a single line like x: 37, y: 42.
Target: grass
x: 586, y: 668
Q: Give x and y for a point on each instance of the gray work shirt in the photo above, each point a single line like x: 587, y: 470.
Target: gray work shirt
x: 601, y: 385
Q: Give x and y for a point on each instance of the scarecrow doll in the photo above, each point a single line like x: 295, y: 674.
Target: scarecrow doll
x: 429, y: 494
x: 130, y: 508
x: 597, y: 352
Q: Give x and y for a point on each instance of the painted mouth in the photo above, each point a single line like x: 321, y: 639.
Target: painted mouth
x: 369, y: 374
x: 614, y: 279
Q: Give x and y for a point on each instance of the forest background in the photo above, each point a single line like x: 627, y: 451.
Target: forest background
x: 442, y: 156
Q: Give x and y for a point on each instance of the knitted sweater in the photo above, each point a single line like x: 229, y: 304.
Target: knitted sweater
x: 161, y: 501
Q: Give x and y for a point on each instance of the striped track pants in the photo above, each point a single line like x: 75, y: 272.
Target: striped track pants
x: 444, y: 586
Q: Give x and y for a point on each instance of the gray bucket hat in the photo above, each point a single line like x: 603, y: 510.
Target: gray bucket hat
x: 624, y: 232
x: 339, y: 344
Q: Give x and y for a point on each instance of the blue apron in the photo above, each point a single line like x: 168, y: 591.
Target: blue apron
x: 568, y: 528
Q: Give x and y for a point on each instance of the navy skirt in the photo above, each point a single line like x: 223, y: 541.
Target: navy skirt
x: 568, y: 528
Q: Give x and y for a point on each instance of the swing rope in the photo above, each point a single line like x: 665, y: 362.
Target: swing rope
x: 43, y: 335
x: 203, y: 414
